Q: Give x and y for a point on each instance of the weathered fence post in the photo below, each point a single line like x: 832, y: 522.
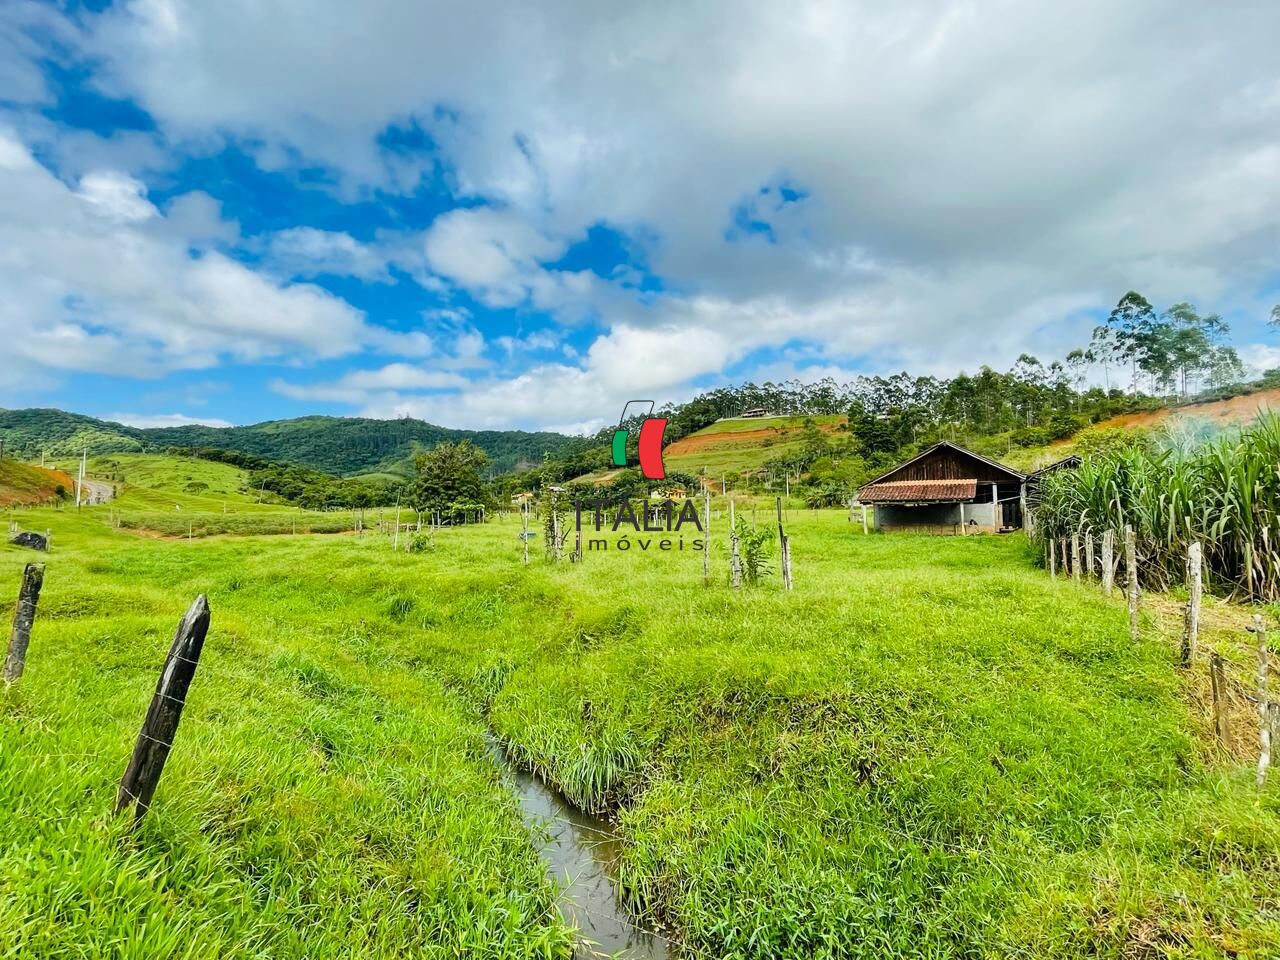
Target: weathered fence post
x: 555, y: 525
x: 1088, y: 555
x: 524, y: 519
x: 706, y: 536
x: 1066, y: 557
x: 395, y: 543
x: 865, y: 530
x: 735, y: 558
x: 1218, y: 683
x: 1191, y: 620
x: 1075, y: 555
x: 1108, y: 561
x: 784, y: 549
x: 161, y: 724
x: 23, y: 617
x: 1264, y: 705
x: 1053, y: 560
x: 1131, y: 568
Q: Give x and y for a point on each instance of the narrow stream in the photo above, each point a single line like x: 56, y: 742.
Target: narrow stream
x: 582, y: 852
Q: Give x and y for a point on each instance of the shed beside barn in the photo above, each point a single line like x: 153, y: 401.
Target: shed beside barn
x: 947, y: 490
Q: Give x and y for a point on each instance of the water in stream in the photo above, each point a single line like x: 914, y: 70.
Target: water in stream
x: 581, y: 852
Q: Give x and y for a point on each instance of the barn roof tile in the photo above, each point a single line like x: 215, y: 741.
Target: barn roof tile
x: 914, y: 491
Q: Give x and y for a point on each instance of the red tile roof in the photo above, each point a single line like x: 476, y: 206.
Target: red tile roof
x: 908, y: 491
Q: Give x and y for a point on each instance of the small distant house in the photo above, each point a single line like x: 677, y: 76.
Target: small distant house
x: 947, y: 490
x: 755, y: 412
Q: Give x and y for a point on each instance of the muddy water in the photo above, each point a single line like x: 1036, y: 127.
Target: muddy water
x: 582, y: 853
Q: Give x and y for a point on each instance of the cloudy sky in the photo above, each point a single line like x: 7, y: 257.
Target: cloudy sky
x: 526, y: 214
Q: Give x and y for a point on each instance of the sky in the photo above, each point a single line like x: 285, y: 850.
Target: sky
x: 524, y: 215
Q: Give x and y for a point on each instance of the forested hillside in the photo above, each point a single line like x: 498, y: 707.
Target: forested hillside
x: 337, y: 445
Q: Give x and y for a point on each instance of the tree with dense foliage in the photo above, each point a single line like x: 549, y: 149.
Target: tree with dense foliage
x: 451, y: 478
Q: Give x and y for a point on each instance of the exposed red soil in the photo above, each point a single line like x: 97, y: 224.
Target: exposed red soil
x: 1235, y: 410
x: 44, y: 493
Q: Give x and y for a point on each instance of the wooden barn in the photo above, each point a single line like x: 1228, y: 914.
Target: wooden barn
x: 947, y: 490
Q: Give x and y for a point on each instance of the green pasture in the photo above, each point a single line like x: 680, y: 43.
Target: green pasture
x: 928, y: 749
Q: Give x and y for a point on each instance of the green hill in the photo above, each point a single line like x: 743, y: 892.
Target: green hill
x: 339, y: 445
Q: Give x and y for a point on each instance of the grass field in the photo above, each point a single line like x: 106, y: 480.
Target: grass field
x: 190, y: 497
x: 928, y: 749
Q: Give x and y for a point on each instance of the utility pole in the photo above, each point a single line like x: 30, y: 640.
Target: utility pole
x: 84, y: 456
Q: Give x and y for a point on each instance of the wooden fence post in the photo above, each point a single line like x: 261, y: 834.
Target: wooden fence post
x: 706, y: 536
x: 161, y: 724
x: 1131, y: 568
x: 1108, y: 561
x: 1088, y: 555
x: 1075, y: 555
x: 524, y: 519
x: 23, y: 617
x: 1053, y: 560
x: 1218, y: 683
x: 735, y: 558
x: 784, y: 549
x: 555, y: 525
x: 1066, y: 557
x: 395, y: 544
x: 1264, y: 707
x: 865, y: 530
x: 1191, y: 619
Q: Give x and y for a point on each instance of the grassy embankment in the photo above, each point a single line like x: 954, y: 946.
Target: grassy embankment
x: 22, y: 484
x: 928, y: 749
x: 177, y: 497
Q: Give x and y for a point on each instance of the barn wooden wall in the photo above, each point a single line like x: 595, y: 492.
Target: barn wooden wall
x: 947, y: 464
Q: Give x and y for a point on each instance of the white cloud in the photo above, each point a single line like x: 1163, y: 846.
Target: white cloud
x: 974, y: 178
x: 146, y: 420
x: 1023, y: 157
x: 1258, y: 358
x: 528, y: 343
x: 361, y: 386
x: 625, y: 364
x: 96, y: 279
x: 491, y: 253
x: 116, y: 196
x: 308, y: 252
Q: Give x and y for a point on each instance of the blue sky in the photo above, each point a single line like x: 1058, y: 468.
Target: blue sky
x: 503, y: 217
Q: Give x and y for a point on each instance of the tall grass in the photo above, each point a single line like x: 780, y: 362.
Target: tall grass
x: 1223, y: 492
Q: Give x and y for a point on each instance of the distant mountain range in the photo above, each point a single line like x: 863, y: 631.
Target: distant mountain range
x: 344, y: 446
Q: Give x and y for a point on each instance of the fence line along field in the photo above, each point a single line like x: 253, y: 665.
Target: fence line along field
x: 191, y: 497
x: 927, y: 748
